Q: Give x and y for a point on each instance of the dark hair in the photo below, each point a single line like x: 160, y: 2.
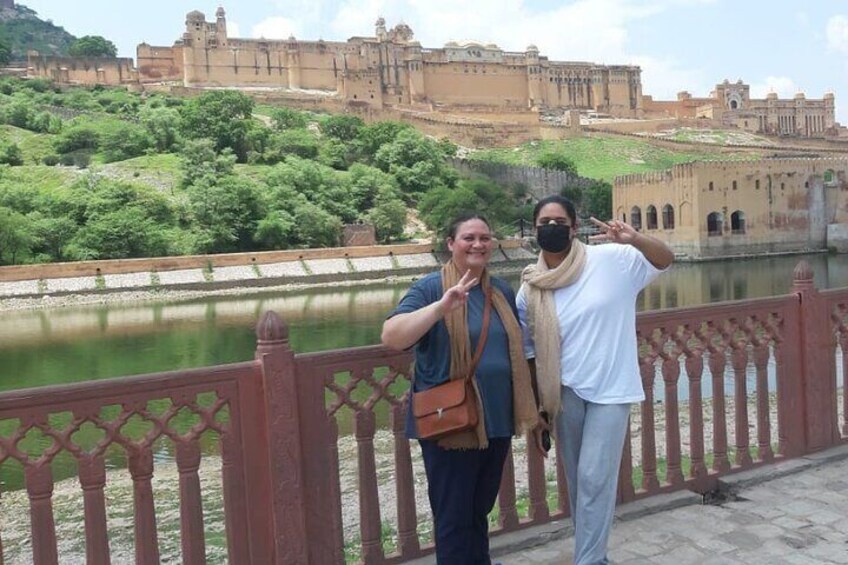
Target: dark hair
x: 461, y: 219
x: 566, y: 204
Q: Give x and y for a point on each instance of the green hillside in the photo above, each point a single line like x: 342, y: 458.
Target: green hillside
x: 104, y: 173
x: 604, y: 156
x: 23, y: 30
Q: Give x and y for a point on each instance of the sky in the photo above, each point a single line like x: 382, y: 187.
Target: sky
x: 778, y: 46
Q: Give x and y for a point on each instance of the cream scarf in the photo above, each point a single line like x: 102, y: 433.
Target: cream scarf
x: 539, y: 282
x: 525, y: 416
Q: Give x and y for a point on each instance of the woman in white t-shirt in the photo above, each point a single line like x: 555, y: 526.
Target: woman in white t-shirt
x: 577, y: 308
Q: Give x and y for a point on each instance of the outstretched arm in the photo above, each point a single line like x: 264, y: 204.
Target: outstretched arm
x: 616, y: 231
x: 404, y: 330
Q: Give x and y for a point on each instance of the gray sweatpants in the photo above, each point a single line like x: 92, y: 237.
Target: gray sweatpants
x: 591, y: 437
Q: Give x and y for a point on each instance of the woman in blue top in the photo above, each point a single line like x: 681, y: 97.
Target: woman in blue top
x: 441, y: 315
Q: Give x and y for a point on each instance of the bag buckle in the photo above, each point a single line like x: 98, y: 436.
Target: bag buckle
x: 439, y: 412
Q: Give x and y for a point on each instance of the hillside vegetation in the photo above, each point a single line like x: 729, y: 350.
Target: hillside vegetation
x: 99, y: 173
x: 21, y: 29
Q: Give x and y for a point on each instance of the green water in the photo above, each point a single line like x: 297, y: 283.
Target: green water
x: 72, y: 344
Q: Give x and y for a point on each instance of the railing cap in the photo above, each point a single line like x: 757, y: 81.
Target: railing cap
x: 803, y: 272
x: 271, y: 328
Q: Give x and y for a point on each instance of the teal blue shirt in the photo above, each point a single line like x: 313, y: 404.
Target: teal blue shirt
x: 432, y: 352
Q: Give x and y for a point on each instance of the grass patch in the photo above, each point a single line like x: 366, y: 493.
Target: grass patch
x: 607, y: 156
x: 34, y: 147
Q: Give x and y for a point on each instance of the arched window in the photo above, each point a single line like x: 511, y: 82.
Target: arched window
x: 651, y: 217
x: 668, y: 217
x: 636, y: 218
x: 714, y: 221
x: 737, y: 222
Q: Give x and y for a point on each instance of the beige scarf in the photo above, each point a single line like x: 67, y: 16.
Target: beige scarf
x: 539, y: 282
x: 525, y: 416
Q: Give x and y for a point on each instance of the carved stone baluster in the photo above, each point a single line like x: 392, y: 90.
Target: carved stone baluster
x: 370, y: 525
x: 336, y: 491
x: 235, y: 507
x: 39, y: 484
x: 671, y: 373
x: 508, y: 518
x: 695, y: 371
x: 626, y: 492
x: 739, y: 359
x: 92, y: 477
x: 405, y: 487
x: 761, y: 355
x: 717, y: 364
x: 538, y: 511
x: 649, y: 443
x: 141, y: 469
x: 1, y: 537
x: 562, y: 483
x: 843, y: 342
x: 191, y: 508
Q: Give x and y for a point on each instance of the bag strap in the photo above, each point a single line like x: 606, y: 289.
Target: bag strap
x: 484, y: 333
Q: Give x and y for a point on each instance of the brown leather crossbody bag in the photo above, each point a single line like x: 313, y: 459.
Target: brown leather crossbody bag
x: 451, y: 407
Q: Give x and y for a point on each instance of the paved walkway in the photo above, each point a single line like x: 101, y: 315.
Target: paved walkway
x: 792, y: 513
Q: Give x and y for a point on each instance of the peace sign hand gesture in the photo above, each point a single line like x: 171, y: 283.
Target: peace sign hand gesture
x: 614, y: 231
x: 457, y: 295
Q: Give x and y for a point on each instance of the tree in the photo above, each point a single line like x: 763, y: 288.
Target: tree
x: 5, y: 52
x: 373, y: 136
x: 315, y: 227
x: 416, y: 162
x: 199, y: 161
x: 124, y: 141
x: 225, y: 213
x: 557, y: 160
x: 224, y: 116
x: 287, y: 118
x: 162, y: 124
x: 10, y: 154
x: 16, y: 236
x: 341, y: 127
x: 388, y: 216
x: 598, y: 200
x: 119, y: 234
x: 77, y: 137
x: 92, y: 46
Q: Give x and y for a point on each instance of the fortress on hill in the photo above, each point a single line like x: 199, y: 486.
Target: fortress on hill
x: 391, y: 72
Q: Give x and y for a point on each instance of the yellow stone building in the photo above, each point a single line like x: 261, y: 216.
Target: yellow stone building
x: 725, y: 208
x: 391, y: 69
x: 731, y: 105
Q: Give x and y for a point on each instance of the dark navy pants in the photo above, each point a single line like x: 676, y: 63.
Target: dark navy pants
x: 463, y: 485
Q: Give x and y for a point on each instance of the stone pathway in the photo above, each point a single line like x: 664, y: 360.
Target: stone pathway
x: 792, y: 513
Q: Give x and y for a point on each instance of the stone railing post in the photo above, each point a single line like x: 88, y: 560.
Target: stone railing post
x: 287, y: 499
x: 816, y: 363
x: 298, y: 450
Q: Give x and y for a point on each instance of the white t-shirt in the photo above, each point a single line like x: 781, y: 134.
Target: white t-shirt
x: 597, y: 324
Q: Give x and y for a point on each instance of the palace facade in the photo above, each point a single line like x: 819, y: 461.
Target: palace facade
x: 726, y: 208
x: 731, y: 105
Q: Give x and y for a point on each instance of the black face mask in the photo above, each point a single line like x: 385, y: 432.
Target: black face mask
x: 553, y: 238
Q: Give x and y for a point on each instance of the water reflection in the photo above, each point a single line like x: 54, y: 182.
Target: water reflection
x: 81, y: 343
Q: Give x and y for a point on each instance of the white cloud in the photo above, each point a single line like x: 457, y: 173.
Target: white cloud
x: 276, y: 27
x: 837, y: 34
x: 784, y: 87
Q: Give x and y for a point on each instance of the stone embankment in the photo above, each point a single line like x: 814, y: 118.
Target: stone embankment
x: 22, y: 286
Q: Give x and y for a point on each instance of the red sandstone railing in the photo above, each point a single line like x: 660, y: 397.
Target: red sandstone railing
x: 280, y: 421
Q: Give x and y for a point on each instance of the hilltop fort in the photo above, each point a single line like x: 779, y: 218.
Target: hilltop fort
x: 390, y: 73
